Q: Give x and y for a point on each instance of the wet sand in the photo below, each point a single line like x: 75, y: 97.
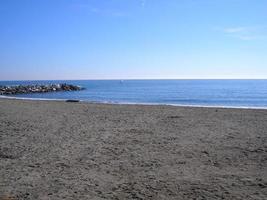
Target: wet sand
x: 58, y: 150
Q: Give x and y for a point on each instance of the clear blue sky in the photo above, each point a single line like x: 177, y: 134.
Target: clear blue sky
x: 121, y: 39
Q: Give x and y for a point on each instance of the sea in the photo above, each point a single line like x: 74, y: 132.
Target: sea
x: 213, y: 93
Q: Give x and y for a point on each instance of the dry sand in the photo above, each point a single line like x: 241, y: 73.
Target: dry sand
x: 57, y: 150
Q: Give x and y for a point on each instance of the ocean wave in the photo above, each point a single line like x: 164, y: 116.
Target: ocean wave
x: 140, y: 103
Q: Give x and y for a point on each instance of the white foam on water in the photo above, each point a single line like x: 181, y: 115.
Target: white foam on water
x: 138, y: 103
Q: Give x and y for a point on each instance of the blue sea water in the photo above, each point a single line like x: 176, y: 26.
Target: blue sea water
x: 226, y: 93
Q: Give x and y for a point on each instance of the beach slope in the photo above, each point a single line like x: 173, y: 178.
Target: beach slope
x: 59, y: 150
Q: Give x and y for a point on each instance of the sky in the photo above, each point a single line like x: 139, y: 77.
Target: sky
x: 133, y: 39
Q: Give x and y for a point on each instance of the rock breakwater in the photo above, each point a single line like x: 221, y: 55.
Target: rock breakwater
x: 24, y: 89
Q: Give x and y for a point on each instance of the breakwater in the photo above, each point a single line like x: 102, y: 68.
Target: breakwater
x: 24, y: 89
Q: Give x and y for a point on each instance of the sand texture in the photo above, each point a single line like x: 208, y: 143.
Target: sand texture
x: 58, y: 150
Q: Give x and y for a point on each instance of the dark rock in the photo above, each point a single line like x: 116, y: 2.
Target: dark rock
x: 21, y: 89
x: 72, y: 100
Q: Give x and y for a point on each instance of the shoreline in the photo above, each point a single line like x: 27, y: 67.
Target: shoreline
x: 130, y: 103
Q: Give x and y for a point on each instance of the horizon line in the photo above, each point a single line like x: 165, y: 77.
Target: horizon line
x: 118, y: 79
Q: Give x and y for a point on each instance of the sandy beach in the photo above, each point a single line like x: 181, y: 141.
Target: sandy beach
x: 58, y: 150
